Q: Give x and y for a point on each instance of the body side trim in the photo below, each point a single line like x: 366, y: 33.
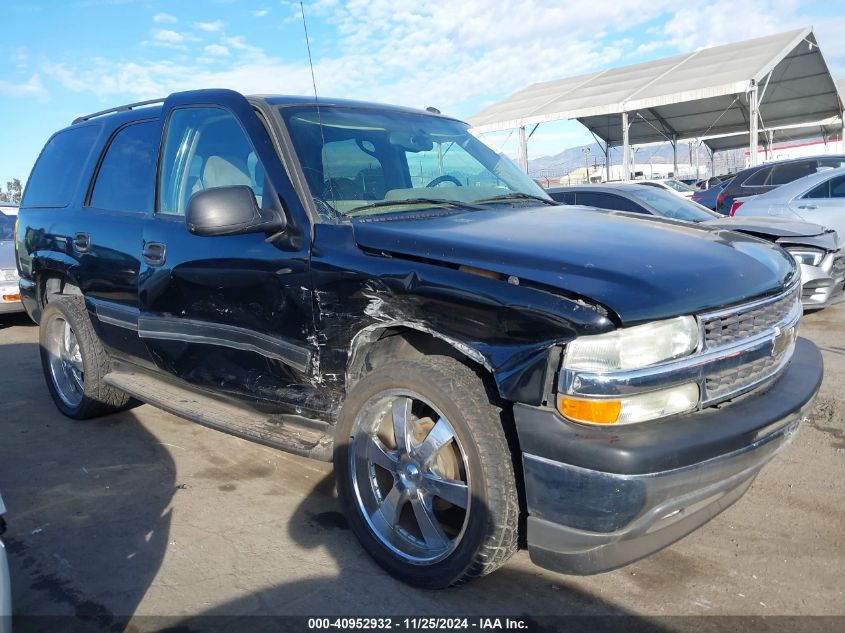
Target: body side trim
x: 208, y: 333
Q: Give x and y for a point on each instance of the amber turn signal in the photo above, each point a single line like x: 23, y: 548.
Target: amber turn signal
x: 589, y: 411
x: 11, y: 297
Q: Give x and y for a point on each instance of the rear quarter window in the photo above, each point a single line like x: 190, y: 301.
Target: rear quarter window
x: 792, y: 171
x: 57, y: 171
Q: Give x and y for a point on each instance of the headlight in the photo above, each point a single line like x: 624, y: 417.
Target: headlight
x: 635, y: 347
x: 631, y: 409
x: 809, y: 256
x: 9, y: 274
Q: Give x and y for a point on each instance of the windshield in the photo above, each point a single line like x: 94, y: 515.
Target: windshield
x: 359, y: 162
x: 669, y: 205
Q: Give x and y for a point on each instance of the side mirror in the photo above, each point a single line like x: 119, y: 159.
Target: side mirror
x: 229, y: 211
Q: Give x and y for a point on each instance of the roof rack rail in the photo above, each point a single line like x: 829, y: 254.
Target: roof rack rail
x: 123, y: 108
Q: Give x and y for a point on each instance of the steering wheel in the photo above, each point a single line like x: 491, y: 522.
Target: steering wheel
x: 445, y: 178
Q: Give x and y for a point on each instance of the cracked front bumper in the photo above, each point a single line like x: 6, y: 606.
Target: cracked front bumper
x: 601, y: 498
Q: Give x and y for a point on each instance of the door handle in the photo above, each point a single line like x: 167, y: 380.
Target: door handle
x: 82, y: 242
x: 154, y: 253
x: 807, y: 206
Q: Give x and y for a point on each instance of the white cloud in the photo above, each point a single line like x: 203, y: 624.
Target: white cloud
x: 218, y: 50
x: 30, y: 88
x: 260, y: 13
x: 456, y: 56
x: 209, y: 27
x: 164, y: 18
x: 167, y: 36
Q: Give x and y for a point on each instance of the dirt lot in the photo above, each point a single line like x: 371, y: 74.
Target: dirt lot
x: 145, y: 513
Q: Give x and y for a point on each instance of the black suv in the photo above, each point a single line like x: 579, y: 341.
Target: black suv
x: 374, y: 285
x: 762, y: 178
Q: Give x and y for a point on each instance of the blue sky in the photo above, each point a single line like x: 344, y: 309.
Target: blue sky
x: 59, y: 59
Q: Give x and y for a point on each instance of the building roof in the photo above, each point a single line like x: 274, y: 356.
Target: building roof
x: 686, y: 96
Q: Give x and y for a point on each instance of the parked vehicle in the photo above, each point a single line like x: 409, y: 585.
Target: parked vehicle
x: 9, y: 208
x: 708, y: 197
x: 763, y: 178
x: 5, y: 583
x: 373, y: 285
x: 818, y: 198
x: 10, y: 298
x: 670, y: 184
x: 815, y: 248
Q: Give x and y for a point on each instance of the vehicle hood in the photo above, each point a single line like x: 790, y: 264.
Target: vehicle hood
x: 7, y: 254
x: 642, y: 269
x: 768, y: 226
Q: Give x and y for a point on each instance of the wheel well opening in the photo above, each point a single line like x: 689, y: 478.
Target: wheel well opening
x: 404, y: 343
x: 52, y: 284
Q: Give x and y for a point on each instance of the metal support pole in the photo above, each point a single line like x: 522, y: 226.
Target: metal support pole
x: 607, y: 161
x: 626, y: 150
x: 753, y: 115
x: 712, y: 164
x: 675, y: 156
x: 523, y: 149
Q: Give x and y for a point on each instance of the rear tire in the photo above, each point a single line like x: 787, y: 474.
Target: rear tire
x: 74, y: 361
x: 436, y: 505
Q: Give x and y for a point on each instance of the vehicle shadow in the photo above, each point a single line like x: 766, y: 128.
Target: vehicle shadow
x: 361, y: 589
x: 87, y: 505
x: 16, y: 319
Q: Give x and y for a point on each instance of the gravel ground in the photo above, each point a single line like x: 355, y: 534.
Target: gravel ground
x: 144, y: 513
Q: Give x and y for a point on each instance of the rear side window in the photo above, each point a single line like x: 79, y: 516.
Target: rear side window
x: 837, y: 187
x: 566, y: 197
x: 757, y: 179
x: 126, y: 179
x: 792, y: 171
x: 56, y: 173
x: 833, y: 188
x: 607, y: 201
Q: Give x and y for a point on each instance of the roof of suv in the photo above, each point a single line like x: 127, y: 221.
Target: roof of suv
x: 152, y: 109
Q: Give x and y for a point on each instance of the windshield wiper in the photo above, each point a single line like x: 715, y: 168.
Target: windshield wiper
x: 432, y: 202
x: 517, y: 195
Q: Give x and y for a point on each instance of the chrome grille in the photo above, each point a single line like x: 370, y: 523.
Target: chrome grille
x: 729, y: 381
x: 745, y: 322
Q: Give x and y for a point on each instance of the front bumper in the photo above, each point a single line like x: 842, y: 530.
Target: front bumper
x: 823, y: 285
x: 600, y: 498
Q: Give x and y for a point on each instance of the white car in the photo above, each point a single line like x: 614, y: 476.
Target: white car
x: 5, y: 584
x: 669, y: 184
x: 10, y: 294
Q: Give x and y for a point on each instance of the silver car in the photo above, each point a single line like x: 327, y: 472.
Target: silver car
x: 10, y: 297
x: 5, y: 585
x: 817, y: 198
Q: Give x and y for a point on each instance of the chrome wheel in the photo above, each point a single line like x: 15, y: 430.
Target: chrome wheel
x: 410, y: 476
x: 65, y: 361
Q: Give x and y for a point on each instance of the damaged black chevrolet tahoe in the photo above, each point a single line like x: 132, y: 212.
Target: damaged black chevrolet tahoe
x: 374, y: 285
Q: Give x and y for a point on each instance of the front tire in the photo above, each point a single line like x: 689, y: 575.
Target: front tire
x: 74, y: 361
x: 425, y: 474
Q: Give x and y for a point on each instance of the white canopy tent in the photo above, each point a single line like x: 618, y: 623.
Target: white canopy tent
x: 736, y: 89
